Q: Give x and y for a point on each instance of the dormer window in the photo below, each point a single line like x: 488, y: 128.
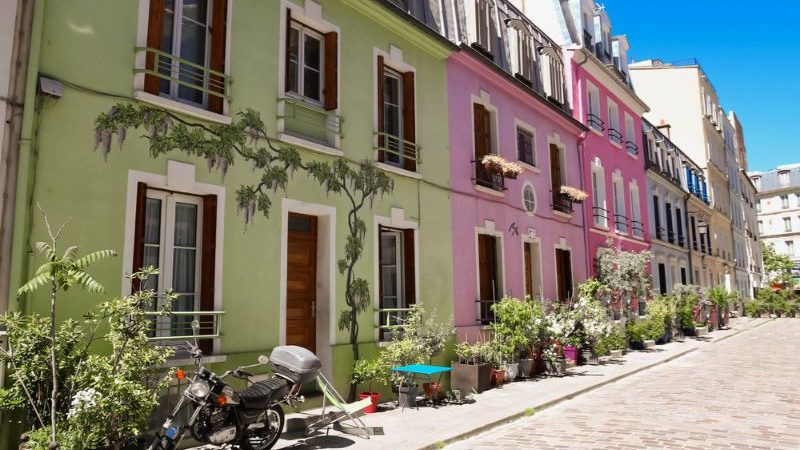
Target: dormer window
x: 757, y: 182
x: 783, y: 178
x: 484, y: 25
x: 522, y: 47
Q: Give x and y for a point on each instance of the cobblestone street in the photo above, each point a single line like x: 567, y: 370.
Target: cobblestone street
x: 740, y: 393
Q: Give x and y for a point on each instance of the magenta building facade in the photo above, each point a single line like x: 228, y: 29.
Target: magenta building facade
x: 511, y: 237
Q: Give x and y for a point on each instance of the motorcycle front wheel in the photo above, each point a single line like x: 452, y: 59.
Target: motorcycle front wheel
x: 264, y: 434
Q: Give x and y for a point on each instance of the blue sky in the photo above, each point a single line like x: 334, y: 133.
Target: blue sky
x: 750, y: 51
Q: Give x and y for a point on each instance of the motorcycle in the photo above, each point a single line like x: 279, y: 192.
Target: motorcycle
x: 252, y: 418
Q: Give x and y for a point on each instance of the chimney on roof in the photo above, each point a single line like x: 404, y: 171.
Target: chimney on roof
x: 664, y: 128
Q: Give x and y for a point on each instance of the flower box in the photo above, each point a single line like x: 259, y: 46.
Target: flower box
x: 469, y: 377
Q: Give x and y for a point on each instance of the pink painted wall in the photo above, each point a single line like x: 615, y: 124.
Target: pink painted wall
x: 612, y: 158
x: 467, y: 77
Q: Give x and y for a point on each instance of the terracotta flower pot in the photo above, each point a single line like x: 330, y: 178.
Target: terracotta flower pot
x: 374, y: 397
x: 432, y: 390
x: 499, y: 376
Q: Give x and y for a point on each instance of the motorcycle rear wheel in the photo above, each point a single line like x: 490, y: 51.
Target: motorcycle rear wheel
x: 267, y: 436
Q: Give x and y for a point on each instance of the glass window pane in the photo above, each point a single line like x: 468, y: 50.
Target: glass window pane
x: 196, y: 10
x: 388, y: 248
x: 294, y: 59
x: 152, y: 221
x: 312, y: 54
x: 311, y: 81
x: 193, y: 49
x: 185, y: 225
x: 183, y: 270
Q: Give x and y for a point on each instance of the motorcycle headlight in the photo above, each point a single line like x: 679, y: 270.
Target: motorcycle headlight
x: 199, y: 389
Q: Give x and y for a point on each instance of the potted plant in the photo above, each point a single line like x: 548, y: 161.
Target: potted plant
x: 493, y: 163
x: 554, y: 359
x: 369, y: 371
x: 511, y: 170
x: 513, y: 331
x: 574, y: 194
x: 472, y: 371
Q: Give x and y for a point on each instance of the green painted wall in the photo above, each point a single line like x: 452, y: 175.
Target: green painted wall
x: 91, y: 44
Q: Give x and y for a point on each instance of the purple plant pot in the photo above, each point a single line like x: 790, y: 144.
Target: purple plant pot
x: 571, y: 353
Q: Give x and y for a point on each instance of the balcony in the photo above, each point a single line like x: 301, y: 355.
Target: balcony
x: 183, y: 325
x: 638, y: 228
x: 600, y: 216
x: 310, y: 122
x: 681, y: 240
x: 615, y: 135
x: 595, y: 122
x: 653, y: 165
x: 487, y: 178
x: 670, y: 236
x: 632, y: 148
x: 621, y: 223
x: 184, y: 80
x: 562, y: 203
x: 397, y: 152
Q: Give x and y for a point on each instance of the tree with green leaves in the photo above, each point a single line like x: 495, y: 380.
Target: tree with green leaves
x: 777, y: 266
x: 60, y: 273
x: 624, y: 276
x: 247, y: 138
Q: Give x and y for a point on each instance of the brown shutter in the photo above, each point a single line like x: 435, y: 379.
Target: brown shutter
x: 138, y: 232
x: 409, y: 124
x: 481, y: 132
x: 207, y: 268
x: 555, y: 173
x: 331, y: 89
x: 527, y: 266
x: 155, y: 26
x: 567, y: 263
x: 219, y: 19
x: 560, y: 274
x: 409, y: 268
x: 288, y: 82
x: 381, y: 140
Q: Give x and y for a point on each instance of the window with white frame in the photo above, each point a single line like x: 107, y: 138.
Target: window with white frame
x: 789, y: 248
x: 614, y: 133
x: 526, y: 151
x: 593, y: 108
x: 304, y: 74
x: 523, y: 50
x: 396, y: 284
x: 528, y: 199
x: 484, y: 24
x: 620, y: 220
x: 172, y: 243
x: 636, y: 212
x: 783, y: 178
x: 787, y: 224
x: 600, y: 211
x: 630, y: 135
x: 392, y: 113
x: 784, y: 201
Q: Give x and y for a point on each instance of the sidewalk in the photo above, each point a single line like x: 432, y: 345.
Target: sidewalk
x: 432, y: 427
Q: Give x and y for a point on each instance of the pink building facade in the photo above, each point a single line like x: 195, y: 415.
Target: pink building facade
x: 613, y: 163
x: 510, y: 238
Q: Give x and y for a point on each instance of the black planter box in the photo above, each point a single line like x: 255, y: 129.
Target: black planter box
x: 469, y: 377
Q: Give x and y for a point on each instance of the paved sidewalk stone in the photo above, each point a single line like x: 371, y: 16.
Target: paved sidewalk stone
x: 601, y: 421
x: 739, y: 393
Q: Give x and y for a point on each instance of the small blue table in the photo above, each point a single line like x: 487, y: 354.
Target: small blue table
x: 411, y: 371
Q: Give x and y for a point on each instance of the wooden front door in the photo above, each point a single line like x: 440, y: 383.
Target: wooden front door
x: 528, y: 270
x: 487, y: 275
x: 301, y: 281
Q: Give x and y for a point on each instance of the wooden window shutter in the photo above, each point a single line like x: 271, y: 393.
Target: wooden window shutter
x: 560, y: 275
x: 555, y: 172
x: 528, y: 270
x: 381, y: 140
x: 479, y: 113
x: 288, y: 81
x: 155, y: 26
x: 219, y: 26
x: 409, y: 267
x: 567, y: 263
x: 207, y: 267
x: 138, y: 233
x: 409, y: 124
x: 331, y: 89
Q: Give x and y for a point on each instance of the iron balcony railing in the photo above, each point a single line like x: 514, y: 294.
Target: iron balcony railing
x: 390, y: 319
x: 632, y: 148
x: 183, y: 325
x: 486, y: 314
x: 562, y: 202
x: 653, y: 164
x: 670, y: 236
x: 309, y: 114
x: 681, y: 240
x: 637, y: 227
x: 398, y: 151
x: 185, y: 73
x: 587, y: 39
x: 621, y: 223
x: 488, y: 178
x: 596, y: 122
x: 615, y: 135
x: 601, y: 214
x: 660, y: 232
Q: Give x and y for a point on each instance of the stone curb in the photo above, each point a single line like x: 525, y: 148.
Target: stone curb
x: 543, y: 406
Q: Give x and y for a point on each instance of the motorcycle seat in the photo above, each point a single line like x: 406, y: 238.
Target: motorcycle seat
x: 261, y: 394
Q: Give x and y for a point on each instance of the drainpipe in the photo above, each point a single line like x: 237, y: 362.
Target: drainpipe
x: 9, y: 147
x: 26, y: 162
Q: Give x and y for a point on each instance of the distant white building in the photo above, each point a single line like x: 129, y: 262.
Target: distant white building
x: 778, y: 206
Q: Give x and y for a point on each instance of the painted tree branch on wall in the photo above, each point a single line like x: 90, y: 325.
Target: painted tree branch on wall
x: 246, y: 138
